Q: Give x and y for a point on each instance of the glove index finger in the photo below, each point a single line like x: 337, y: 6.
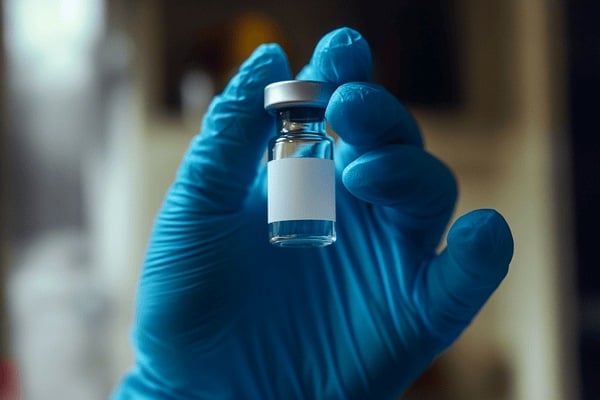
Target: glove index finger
x: 366, y: 116
x: 341, y: 56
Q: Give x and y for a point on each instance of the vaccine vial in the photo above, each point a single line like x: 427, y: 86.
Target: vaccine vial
x: 300, y: 170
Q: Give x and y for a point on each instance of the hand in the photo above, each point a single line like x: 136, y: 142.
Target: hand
x: 221, y: 314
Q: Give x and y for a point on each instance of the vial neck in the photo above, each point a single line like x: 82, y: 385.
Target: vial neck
x: 301, y: 120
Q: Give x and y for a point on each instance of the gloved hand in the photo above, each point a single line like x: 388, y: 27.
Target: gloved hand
x: 221, y: 314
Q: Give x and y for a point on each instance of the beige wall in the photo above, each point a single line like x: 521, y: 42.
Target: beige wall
x: 519, y: 164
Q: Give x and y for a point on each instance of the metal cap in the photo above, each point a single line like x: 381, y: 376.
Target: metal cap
x: 297, y: 93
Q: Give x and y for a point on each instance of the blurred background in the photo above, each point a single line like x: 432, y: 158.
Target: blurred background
x: 100, y: 98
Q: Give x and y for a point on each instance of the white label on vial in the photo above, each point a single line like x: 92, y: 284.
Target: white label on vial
x: 300, y: 189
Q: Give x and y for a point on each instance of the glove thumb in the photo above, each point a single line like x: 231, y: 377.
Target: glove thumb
x: 222, y: 161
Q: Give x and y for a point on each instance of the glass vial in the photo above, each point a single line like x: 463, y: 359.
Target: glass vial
x: 301, y: 172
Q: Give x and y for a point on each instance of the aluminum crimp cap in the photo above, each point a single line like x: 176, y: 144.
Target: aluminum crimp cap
x: 297, y: 93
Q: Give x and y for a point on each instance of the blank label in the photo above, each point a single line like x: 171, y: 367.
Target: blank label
x: 300, y: 189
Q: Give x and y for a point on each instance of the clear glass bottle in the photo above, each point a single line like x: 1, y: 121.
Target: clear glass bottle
x: 301, y: 172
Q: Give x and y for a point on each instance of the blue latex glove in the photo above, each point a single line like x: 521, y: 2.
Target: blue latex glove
x: 221, y: 314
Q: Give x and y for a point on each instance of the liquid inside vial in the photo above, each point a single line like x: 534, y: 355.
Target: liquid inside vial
x: 302, y: 233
